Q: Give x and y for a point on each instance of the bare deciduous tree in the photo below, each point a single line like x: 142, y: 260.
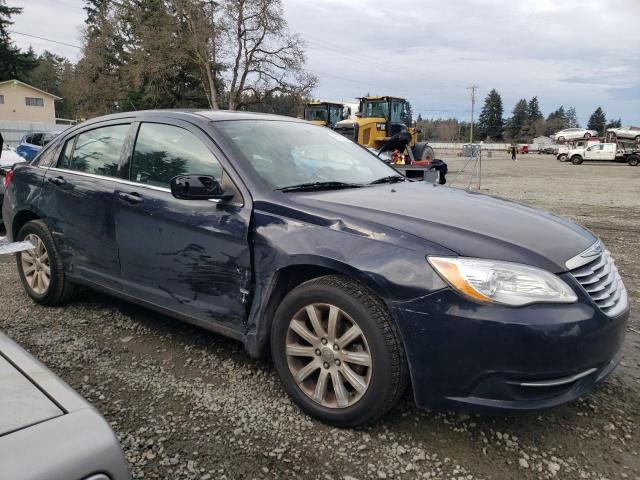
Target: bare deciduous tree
x: 263, y: 56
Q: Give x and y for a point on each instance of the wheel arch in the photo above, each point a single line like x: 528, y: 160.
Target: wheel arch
x: 269, y: 295
x: 20, y: 219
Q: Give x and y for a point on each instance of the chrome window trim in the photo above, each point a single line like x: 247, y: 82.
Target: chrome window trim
x: 128, y: 182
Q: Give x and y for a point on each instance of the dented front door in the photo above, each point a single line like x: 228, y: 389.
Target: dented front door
x: 188, y: 256
x: 191, y: 257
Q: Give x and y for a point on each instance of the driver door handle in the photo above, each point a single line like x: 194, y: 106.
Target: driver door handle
x: 131, y: 198
x: 57, y: 180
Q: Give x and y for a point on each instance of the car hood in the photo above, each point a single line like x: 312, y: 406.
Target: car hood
x: 469, y: 224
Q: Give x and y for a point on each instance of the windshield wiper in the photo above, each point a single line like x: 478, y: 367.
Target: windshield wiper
x: 319, y: 186
x: 389, y: 179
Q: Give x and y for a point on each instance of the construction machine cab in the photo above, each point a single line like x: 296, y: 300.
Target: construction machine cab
x: 392, y: 110
x: 325, y: 114
x: 378, y: 125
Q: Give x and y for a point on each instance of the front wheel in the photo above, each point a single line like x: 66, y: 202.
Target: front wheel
x: 40, y: 269
x: 338, y: 352
x: 634, y: 160
x: 423, y: 152
x: 637, y: 139
x: 576, y: 160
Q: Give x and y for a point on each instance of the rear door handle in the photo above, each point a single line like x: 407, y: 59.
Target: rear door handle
x: 132, y: 197
x: 57, y: 180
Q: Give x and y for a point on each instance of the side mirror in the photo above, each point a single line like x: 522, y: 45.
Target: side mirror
x: 198, y: 187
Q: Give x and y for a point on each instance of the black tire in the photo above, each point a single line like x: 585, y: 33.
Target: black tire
x: 634, y: 160
x: 423, y: 152
x: 576, y: 160
x: 637, y: 138
x: 563, y: 157
x: 60, y: 290
x: 389, y: 375
x: 561, y: 139
x: 587, y: 135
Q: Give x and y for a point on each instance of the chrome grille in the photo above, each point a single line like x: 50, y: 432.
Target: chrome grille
x: 600, y: 278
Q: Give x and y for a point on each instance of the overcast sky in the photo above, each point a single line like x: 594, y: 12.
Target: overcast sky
x: 584, y: 53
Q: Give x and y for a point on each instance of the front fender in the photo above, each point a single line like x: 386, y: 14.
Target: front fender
x: 393, y: 271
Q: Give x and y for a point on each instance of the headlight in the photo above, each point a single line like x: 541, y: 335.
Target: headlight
x: 504, y: 283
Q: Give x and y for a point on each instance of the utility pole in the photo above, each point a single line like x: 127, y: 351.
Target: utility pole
x: 473, y: 103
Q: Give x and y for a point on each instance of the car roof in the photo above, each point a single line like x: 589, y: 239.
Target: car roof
x: 207, y: 115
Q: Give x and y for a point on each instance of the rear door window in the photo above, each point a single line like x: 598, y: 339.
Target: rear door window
x: 163, y: 151
x: 97, y: 151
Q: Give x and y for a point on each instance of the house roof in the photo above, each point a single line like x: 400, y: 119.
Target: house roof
x: 32, y: 87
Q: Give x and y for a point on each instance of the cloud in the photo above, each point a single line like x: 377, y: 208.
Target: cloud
x: 584, y: 53
x: 569, y: 52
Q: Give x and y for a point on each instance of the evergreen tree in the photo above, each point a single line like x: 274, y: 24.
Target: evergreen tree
x: 533, y: 111
x: 571, y: 118
x: 597, y: 121
x: 490, y: 122
x: 518, y: 119
x: 556, y: 121
x: 13, y: 63
x: 615, y: 123
x: 408, y: 115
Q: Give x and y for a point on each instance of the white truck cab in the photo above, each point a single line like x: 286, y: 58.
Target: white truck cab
x: 598, y: 152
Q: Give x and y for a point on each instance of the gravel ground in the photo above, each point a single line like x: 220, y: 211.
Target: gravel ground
x: 189, y: 404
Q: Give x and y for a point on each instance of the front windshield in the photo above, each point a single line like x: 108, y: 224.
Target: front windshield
x: 286, y: 153
x: 317, y: 113
x: 377, y: 109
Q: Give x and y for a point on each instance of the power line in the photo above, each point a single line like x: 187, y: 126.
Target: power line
x: 67, y: 4
x: 45, y: 39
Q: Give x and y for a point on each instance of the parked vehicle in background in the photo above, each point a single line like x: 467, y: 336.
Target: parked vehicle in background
x: 8, y: 158
x: 296, y: 241
x: 48, y: 431
x: 549, y: 150
x: 573, y: 134
x: 562, y: 153
x: 604, y: 152
x: 32, y: 143
x: 632, y: 133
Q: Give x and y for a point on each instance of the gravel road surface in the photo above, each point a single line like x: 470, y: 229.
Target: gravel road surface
x: 189, y: 404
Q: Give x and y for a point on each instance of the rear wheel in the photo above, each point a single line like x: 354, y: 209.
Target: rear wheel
x: 637, y: 138
x: 634, y: 160
x: 40, y: 269
x: 587, y: 135
x: 576, y: 160
x: 561, y: 139
x: 337, y: 352
x: 563, y: 157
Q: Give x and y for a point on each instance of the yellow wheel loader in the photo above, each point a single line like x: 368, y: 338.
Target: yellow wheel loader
x: 380, y: 125
x: 325, y: 114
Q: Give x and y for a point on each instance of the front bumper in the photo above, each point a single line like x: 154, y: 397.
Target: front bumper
x: 494, y: 357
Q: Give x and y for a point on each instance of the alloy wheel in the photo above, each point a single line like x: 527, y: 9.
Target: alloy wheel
x: 36, y: 266
x: 328, y: 355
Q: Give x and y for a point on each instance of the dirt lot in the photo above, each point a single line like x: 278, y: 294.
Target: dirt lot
x: 188, y: 404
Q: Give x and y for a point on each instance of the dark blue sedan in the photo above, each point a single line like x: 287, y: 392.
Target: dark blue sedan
x: 298, y: 242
